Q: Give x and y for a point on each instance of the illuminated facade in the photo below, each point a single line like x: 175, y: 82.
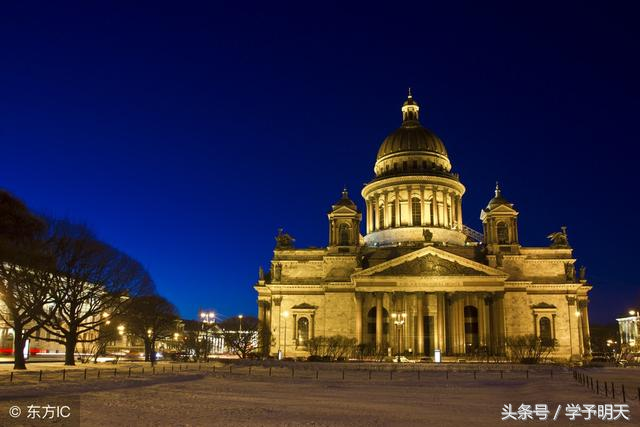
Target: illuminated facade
x: 455, y: 289
x: 630, y: 330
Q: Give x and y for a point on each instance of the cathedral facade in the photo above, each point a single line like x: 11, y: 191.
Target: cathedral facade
x: 419, y: 280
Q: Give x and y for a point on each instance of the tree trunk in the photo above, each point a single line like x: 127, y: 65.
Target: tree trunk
x: 19, y: 341
x: 152, y: 353
x: 147, y: 352
x: 70, y: 350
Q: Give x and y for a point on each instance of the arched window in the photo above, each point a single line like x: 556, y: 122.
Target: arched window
x: 545, y: 331
x: 343, y: 232
x: 381, y: 216
x: 303, y: 331
x: 371, y: 321
x: 393, y: 213
x: 471, y: 338
x: 416, y: 211
x: 503, y: 233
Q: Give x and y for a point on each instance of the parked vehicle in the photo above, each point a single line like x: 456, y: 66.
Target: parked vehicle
x: 403, y: 359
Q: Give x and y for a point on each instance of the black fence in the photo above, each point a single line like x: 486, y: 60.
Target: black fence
x: 615, y: 390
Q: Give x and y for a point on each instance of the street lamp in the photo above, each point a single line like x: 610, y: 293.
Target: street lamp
x: 240, y: 316
x: 208, y: 318
x: 398, y: 320
x: 286, y: 315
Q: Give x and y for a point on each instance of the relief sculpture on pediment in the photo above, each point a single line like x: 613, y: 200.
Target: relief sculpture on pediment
x: 430, y: 265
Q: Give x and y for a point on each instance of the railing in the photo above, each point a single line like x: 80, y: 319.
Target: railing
x: 473, y: 234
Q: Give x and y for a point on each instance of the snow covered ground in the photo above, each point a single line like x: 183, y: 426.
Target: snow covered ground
x: 204, y: 398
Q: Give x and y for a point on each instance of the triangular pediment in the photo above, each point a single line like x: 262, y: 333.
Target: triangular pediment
x: 431, y: 262
x: 344, y: 210
x: 501, y: 210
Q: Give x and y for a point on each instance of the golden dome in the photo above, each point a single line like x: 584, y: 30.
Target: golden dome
x: 411, y: 137
x: 412, y: 148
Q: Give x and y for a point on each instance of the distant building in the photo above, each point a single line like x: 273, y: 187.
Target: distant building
x: 419, y: 279
x: 629, y: 330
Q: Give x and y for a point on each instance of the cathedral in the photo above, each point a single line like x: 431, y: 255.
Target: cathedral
x: 420, y: 282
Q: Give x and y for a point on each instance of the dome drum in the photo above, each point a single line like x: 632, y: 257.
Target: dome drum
x: 410, y: 235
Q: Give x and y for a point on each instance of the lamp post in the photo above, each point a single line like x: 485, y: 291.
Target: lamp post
x: 208, y: 318
x: 286, y: 315
x: 240, y: 316
x: 398, y: 320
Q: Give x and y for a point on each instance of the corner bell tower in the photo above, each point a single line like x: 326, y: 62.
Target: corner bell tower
x: 344, y: 224
x: 500, y: 225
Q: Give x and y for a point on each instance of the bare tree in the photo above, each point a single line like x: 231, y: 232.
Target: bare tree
x: 240, y: 334
x: 150, y: 318
x: 92, y: 281
x: 24, y: 263
x: 196, y: 343
x: 529, y: 348
x: 107, y: 333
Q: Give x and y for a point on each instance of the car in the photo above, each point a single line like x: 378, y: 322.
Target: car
x: 403, y: 359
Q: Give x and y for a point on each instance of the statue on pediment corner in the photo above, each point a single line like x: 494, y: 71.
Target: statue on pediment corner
x: 427, y: 234
x: 284, y: 240
x: 583, y: 273
x: 559, y: 239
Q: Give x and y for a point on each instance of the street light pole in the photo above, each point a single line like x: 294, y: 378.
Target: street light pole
x: 208, y: 318
x: 398, y: 320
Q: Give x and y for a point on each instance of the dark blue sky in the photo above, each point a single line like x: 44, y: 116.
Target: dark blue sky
x: 186, y: 133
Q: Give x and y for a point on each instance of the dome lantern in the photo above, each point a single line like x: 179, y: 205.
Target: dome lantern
x: 410, y: 111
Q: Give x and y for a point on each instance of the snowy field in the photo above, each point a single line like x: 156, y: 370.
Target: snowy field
x: 206, y: 398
